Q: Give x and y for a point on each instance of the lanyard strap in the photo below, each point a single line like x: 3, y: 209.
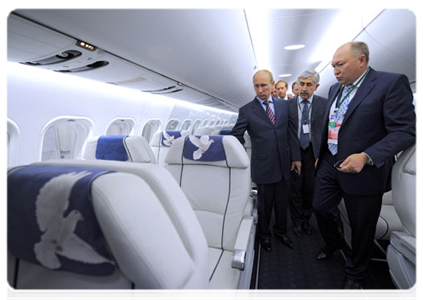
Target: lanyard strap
x: 338, y: 103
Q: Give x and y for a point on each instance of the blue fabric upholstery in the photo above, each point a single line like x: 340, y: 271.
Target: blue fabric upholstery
x: 204, y: 148
x: 225, y: 132
x: 111, y: 147
x: 44, y: 199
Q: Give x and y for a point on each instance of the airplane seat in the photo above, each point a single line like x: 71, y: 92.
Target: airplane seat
x: 401, y: 253
x: 118, y: 147
x: 253, y: 204
x: 221, y: 132
x: 204, y: 130
x: 161, y: 142
x: 251, y: 208
x: 214, y: 173
x: 387, y: 223
x: 151, y: 233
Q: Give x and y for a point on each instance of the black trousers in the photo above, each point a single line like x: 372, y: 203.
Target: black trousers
x: 273, y: 195
x: 363, y: 213
x: 302, y: 188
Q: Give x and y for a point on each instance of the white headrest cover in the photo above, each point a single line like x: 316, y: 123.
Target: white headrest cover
x: 236, y: 157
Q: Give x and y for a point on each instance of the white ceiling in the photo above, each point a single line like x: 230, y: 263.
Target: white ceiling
x: 216, y: 52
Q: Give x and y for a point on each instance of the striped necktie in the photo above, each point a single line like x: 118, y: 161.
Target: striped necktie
x: 270, y: 112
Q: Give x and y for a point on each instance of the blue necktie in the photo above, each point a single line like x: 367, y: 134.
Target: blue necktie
x: 341, y: 112
x: 304, y: 137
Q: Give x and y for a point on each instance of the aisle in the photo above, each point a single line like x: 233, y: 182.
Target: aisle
x: 296, y: 268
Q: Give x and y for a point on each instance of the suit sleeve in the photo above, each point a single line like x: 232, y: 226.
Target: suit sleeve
x: 400, y: 122
x: 294, y: 143
x: 241, y: 126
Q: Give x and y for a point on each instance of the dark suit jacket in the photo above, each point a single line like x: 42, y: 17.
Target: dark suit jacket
x: 380, y: 121
x: 273, y: 147
x: 318, y: 109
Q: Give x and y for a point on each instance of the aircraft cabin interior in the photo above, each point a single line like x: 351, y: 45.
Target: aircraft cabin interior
x: 110, y: 116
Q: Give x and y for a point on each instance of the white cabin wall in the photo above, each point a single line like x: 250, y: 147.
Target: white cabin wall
x: 36, y: 96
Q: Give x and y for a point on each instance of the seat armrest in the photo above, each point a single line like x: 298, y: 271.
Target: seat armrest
x: 407, y: 245
x: 241, y: 243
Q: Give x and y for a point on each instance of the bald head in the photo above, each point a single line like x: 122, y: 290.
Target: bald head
x: 350, y: 61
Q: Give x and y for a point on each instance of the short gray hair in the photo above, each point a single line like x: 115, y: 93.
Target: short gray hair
x: 308, y: 74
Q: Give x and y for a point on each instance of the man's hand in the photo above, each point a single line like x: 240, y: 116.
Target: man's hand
x: 296, y: 165
x: 354, y: 163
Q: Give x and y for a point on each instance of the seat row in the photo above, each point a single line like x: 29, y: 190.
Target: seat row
x: 183, y: 225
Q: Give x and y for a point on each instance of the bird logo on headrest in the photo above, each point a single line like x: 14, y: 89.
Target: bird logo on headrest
x: 203, y: 143
x: 58, y: 236
x: 168, y: 139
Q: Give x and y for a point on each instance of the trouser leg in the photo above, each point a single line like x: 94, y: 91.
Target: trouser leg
x: 281, y: 207
x: 327, y: 196
x: 265, y: 196
x: 308, y: 172
x: 363, y: 213
x: 295, y: 199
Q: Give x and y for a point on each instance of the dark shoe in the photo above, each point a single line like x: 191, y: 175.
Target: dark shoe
x: 324, y: 253
x: 306, y: 227
x: 297, y: 230
x: 351, y: 284
x: 266, y: 244
x: 285, y: 240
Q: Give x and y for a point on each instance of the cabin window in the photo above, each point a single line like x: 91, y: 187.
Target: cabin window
x: 172, y: 124
x: 120, y: 126
x: 205, y: 123
x: 211, y: 123
x: 150, y: 128
x: 186, y: 124
x: 13, y: 134
x: 195, y: 125
x: 64, y: 138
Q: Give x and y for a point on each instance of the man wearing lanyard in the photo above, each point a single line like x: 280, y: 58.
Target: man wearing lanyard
x: 274, y: 152
x: 369, y: 119
x: 308, y: 111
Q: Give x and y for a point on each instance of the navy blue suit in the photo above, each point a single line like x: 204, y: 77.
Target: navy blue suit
x: 380, y: 121
x: 302, y: 185
x: 273, y: 148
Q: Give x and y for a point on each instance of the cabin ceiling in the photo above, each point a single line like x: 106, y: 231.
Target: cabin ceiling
x: 215, y: 52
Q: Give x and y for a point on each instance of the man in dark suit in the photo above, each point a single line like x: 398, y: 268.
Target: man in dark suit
x: 274, y: 152
x: 369, y: 119
x: 308, y: 112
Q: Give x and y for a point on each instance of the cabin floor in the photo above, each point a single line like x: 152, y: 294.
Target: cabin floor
x: 296, y: 268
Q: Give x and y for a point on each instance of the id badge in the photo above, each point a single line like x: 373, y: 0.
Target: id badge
x: 333, y: 128
x: 306, y: 129
x: 333, y: 135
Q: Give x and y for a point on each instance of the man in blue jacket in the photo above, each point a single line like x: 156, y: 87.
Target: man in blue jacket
x: 368, y: 120
x: 274, y: 152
